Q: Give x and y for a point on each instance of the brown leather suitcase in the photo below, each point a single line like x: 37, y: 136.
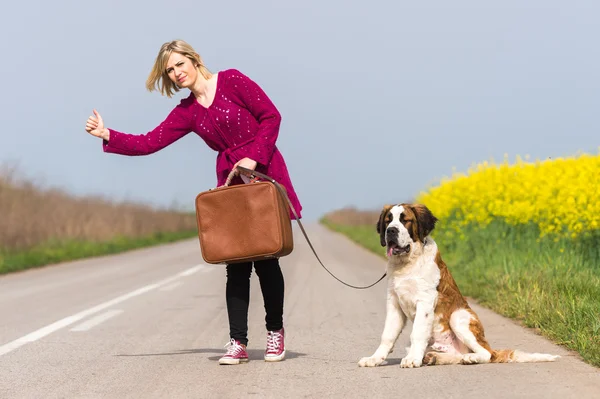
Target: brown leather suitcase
x: 245, y: 222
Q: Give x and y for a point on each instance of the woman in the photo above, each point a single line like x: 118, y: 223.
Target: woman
x: 234, y: 117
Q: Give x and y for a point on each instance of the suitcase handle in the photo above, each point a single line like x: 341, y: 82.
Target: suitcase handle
x: 255, y: 175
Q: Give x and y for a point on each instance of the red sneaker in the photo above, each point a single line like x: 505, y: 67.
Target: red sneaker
x: 275, y: 348
x: 236, y: 353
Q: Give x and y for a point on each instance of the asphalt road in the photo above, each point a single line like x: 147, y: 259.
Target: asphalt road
x: 152, y: 323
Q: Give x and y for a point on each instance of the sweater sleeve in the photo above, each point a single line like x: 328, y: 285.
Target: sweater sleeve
x: 175, y: 126
x: 264, y: 111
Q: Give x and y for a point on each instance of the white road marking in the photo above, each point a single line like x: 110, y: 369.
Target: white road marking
x: 171, y: 286
x: 191, y: 271
x: 210, y: 268
x: 94, y: 321
x: 49, y: 329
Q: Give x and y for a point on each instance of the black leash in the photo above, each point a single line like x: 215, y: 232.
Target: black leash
x: 253, y: 174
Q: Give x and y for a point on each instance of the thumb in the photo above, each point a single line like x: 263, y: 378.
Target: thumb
x: 100, y: 122
x: 234, y: 168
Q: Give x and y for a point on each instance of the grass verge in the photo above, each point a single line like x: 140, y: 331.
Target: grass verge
x: 61, y: 251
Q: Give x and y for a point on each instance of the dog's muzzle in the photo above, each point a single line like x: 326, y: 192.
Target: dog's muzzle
x: 393, y: 247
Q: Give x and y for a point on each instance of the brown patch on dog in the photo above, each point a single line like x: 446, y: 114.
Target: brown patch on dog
x: 408, y: 218
x: 449, y: 296
x: 503, y: 356
x: 425, y: 220
x: 418, y: 220
x: 382, y: 223
x: 477, y: 329
x: 450, y: 299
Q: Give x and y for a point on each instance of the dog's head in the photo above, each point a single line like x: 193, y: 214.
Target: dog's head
x: 401, y: 226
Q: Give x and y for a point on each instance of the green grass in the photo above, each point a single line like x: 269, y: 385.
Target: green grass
x: 61, y: 251
x: 547, y: 284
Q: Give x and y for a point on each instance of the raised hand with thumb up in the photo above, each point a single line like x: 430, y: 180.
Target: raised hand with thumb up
x: 95, y: 126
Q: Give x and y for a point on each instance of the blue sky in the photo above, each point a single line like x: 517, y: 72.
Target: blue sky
x: 379, y: 99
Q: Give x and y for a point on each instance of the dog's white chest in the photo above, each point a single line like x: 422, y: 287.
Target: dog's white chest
x: 416, y: 284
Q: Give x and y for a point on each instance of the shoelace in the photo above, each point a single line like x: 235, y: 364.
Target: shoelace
x: 234, y: 348
x: 273, y: 341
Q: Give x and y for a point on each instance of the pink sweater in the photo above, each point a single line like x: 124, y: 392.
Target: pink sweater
x: 241, y: 122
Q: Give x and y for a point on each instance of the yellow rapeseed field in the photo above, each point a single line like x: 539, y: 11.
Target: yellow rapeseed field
x: 561, y: 196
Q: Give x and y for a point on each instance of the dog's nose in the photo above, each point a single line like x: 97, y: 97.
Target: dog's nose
x: 392, y: 230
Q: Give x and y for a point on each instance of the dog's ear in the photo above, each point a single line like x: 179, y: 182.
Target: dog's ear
x: 381, y: 224
x: 425, y: 220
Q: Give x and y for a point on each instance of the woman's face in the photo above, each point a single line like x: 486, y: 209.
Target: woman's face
x: 181, y: 70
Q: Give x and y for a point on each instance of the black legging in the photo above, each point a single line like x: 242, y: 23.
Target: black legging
x: 237, y: 294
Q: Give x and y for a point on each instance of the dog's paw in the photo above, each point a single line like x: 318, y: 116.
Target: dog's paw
x: 370, y: 361
x: 430, y: 359
x: 470, y: 358
x: 411, y: 362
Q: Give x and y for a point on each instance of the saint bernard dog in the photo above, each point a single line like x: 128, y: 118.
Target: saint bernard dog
x: 420, y: 288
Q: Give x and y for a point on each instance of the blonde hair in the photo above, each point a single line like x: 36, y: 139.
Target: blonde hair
x: 159, y: 79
